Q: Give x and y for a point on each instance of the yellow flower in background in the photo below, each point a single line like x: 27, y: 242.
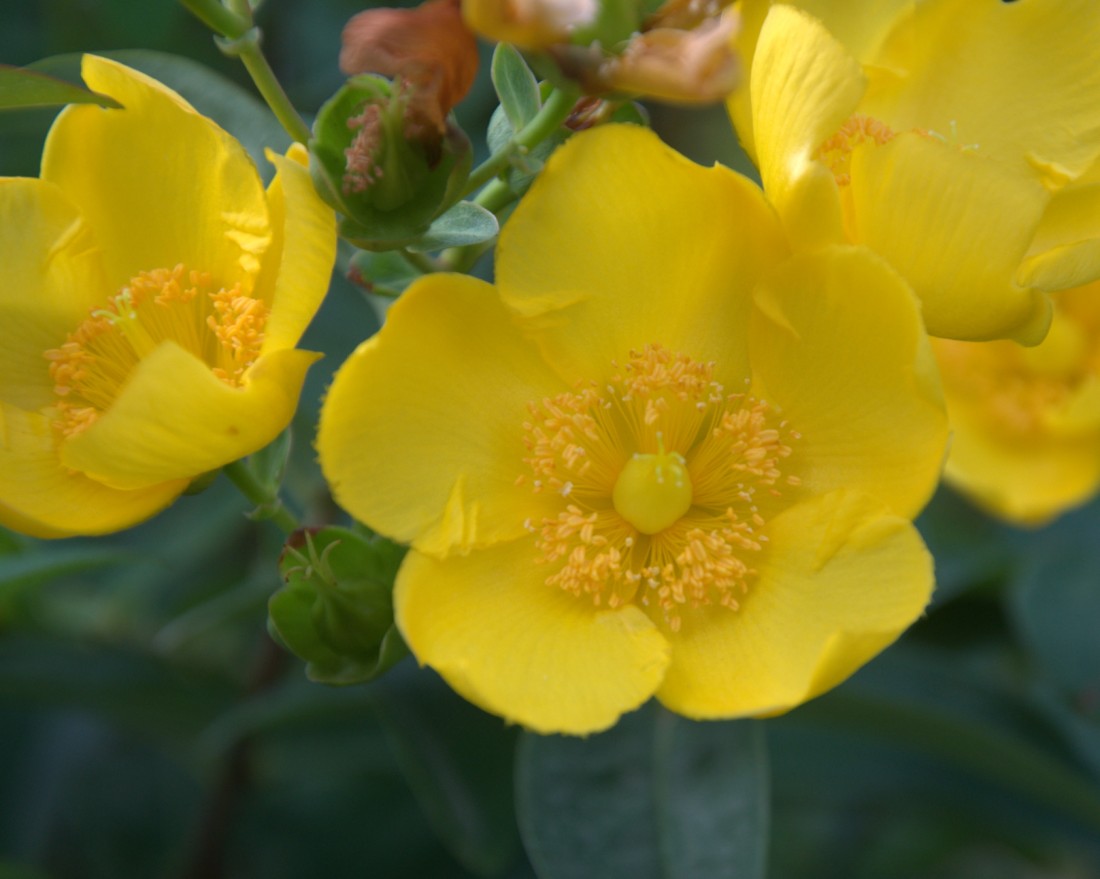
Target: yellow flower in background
x: 957, y: 139
x: 659, y: 457
x: 152, y: 296
x: 1026, y: 421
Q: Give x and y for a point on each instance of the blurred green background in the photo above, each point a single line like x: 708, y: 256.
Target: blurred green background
x: 149, y: 728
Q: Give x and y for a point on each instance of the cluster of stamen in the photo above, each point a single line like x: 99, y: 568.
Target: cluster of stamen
x: 731, y: 448
x: 361, y: 168
x: 997, y: 379
x: 836, y: 152
x: 221, y: 326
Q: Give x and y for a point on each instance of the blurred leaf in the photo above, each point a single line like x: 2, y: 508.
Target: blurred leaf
x: 1055, y: 601
x: 465, y: 223
x: 655, y: 796
x: 130, y: 689
x: 712, y: 803
x: 515, y: 85
x: 32, y: 567
x: 969, y: 547
x: 28, y: 88
x: 929, y: 701
x: 458, y: 762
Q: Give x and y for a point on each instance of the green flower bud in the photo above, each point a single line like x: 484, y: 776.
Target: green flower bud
x: 379, y: 158
x: 336, y: 610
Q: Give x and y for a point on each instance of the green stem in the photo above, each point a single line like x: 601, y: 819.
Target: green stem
x: 421, y: 262
x: 238, y: 36
x: 219, y: 19
x: 272, y: 91
x: 261, y: 495
x: 559, y: 104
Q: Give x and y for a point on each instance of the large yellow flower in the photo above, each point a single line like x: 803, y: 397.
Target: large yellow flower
x: 1026, y: 421
x: 956, y: 138
x: 152, y: 296
x: 659, y: 457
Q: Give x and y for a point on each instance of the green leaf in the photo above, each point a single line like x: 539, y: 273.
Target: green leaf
x: 20, y: 87
x: 515, y: 85
x: 500, y: 132
x: 655, y: 797
x: 134, y: 690
x: 27, y: 570
x: 712, y: 804
x: 458, y: 762
x: 969, y: 547
x: 1055, y: 600
x: 465, y: 223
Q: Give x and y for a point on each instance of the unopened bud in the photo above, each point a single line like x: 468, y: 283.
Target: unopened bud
x: 336, y: 609
x: 380, y: 165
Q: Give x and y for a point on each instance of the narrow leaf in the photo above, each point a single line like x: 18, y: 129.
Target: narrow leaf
x: 28, y: 88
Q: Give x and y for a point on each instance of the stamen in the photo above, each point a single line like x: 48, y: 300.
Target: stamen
x: 836, y: 152
x: 223, y: 327
x: 696, y: 543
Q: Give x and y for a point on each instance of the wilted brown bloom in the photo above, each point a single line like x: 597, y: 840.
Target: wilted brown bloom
x: 427, y: 50
x: 695, y: 66
x: 531, y: 24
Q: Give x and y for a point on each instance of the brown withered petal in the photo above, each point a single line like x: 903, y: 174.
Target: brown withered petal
x: 428, y: 48
x: 694, y: 66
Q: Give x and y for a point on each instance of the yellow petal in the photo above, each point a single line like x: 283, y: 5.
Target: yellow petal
x: 837, y: 344
x: 159, y: 183
x: 52, y: 277
x: 956, y: 226
x: 175, y: 420
x: 622, y: 242
x: 489, y: 624
x: 1065, y: 251
x: 421, y: 434
x: 40, y: 497
x: 1025, y: 482
x: 1021, y: 80
x: 298, y: 266
x: 842, y: 579
x: 804, y: 85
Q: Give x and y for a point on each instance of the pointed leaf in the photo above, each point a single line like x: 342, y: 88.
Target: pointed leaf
x: 515, y: 85
x: 465, y: 223
x: 28, y: 88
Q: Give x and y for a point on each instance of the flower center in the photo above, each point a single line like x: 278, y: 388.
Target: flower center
x: 665, y: 480
x: 653, y: 490
x: 221, y: 326
x: 1020, y: 389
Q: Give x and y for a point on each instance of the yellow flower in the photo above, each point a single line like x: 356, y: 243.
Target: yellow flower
x: 152, y: 296
x: 659, y: 457
x: 954, y: 138
x: 1026, y: 421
